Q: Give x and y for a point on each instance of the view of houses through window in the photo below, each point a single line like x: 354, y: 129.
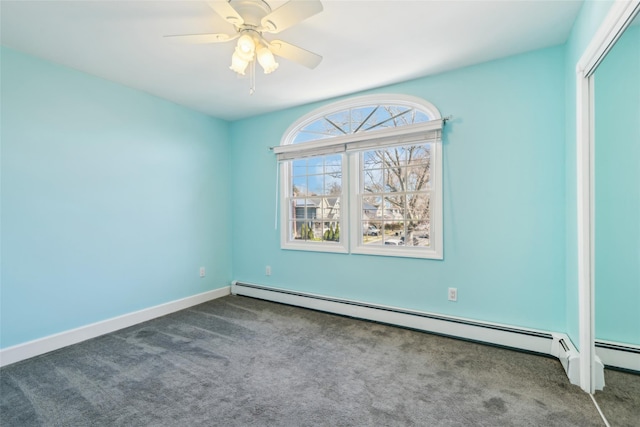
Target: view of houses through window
x: 316, y: 194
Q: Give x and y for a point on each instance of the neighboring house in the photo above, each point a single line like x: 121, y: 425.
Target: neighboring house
x: 369, y: 212
x: 386, y: 212
x: 308, y: 205
x: 329, y: 208
x: 323, y: 208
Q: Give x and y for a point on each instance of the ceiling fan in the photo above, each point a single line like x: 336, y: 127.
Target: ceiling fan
x: 252, y: 18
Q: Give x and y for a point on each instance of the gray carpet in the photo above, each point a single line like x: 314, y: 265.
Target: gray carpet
x: 620, y: 399
x: 238, y: 361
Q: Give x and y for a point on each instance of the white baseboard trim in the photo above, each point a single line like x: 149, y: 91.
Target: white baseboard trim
x: 553, y: 344
x: 49, y: 343
x: 619, y: 355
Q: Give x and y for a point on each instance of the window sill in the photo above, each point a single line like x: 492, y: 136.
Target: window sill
x: 403, y: 252
x: 316, y: 247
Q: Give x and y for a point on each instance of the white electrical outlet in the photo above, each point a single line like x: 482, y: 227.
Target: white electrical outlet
x: 202, y: 272
x: 453, y: 294
x: 267, y: 271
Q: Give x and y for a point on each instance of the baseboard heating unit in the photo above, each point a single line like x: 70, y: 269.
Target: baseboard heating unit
x: 545, y: 343
x: 619, y: 355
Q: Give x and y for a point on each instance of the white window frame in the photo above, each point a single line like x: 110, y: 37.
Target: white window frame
x: 434, y: 251
x: 304, y: 245
x: 351, y: 145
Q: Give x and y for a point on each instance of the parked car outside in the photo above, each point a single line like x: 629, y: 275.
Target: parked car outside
x: 394, y: 242
x: 371, y: 230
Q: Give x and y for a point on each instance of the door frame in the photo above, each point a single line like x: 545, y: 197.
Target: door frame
x: 618, y: 19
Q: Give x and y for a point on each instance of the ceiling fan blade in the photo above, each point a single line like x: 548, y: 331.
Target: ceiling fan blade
x: 290, y: 14
x: 226, y: 11
x: 295, y: 53
x: 203, y: 38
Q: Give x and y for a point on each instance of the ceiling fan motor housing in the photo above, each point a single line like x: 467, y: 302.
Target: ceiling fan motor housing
x: 251, y: 11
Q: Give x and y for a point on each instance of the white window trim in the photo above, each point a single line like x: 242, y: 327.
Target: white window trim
x: 350, y: 145
x: 405, y: 135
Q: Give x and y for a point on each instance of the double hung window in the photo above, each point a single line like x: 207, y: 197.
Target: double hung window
x: 314, y: 199
x: 364, y: 176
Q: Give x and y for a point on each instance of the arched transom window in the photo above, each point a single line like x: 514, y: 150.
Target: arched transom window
x: 360, y: 119
x: 364, y: 176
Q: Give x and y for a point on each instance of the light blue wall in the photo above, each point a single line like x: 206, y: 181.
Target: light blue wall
x: 590, y: 18
x: 111, y: 200
x: 504, y: 202
x: 617, y: 191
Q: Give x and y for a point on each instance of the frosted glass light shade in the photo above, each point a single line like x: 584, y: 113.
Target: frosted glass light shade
x: 266, y: 60
x: 246, y: 45
x: 238, y: 64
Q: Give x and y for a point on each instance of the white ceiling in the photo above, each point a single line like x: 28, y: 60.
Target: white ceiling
x: 365, y: 44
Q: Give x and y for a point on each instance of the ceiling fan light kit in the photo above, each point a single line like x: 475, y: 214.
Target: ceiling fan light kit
x: 252, y: 18
x: 247, y: 49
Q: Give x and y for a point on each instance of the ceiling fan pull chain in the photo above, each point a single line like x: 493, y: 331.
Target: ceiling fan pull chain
x: 252, y: 77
